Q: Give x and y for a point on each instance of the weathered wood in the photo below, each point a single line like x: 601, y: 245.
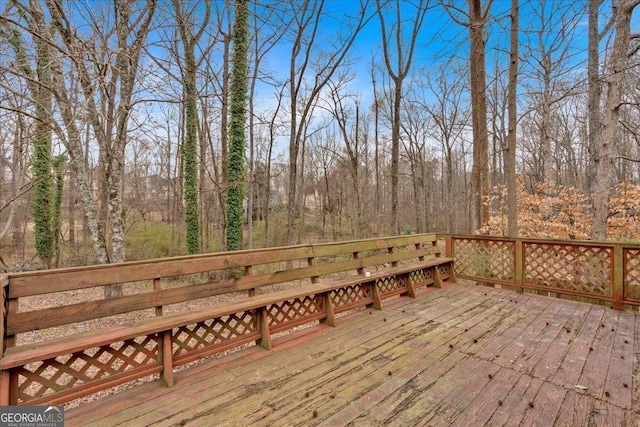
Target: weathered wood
x: 5, y: 388
x: 56, y: 316
x: 298, y: 358
x: 329, y: 249
x: 166, y: 351
x: 97, y: 385
x: 622, y: 363
x: 330, y: 315
x: 265, y: 334
x: 345, y: 371
x: 43, y: 350
x: 577, y: 353
x: 276, y: 312
x: 375, y: 293
x: 551, y: 266
x: 595, y: 369
x: 617, y: 286
x: 4, y: 306
x: 65, y: 279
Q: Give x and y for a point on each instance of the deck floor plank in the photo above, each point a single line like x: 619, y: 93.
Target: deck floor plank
x: 636, y: 367
x: 620, y: 374
x: 424, y: 361
x: 594, y: 372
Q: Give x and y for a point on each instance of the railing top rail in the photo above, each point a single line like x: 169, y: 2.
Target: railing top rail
x: 549, y: 241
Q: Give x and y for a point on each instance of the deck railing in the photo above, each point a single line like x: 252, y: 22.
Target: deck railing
x: 606, y: 272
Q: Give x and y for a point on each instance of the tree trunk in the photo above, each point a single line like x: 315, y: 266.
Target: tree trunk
x: 510, y: 158
x: 480, y: 169
x: 595, y: 90
x: 239, y: 85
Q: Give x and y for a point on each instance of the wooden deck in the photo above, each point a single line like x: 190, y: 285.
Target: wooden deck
x: 460, y: 355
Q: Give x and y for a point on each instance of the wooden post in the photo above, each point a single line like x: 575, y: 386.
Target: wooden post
x: 436, y: 252
x: 519, y: 265
x: 448, y: 247
x: 618, y: 277
x: 263, y: 322
x: 4, y: 290
x: 11, y: 380
x: 314, y: 279
x: 247, y: 272
x: 390, y: 251
x: 167, y: 358
x: 165, y: 345
x: 356, y: 256
x: 5, y: 376
x: 5, y: 387
x: 157, y: 286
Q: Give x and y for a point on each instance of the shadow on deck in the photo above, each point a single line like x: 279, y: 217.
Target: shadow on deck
x: 460, y: 355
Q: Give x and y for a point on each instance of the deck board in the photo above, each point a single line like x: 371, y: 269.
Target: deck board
x: 460, y: 355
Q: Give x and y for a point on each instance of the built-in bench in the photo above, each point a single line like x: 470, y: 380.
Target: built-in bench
x: 320, y: 281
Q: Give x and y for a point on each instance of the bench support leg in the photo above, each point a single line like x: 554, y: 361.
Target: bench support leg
x: 327, y: 304
x: 411, y: 289
x: 167, y: 358
x: 437, y: 280
x: 452, y: 273
x: 375, y: 293
x: 263, y: 322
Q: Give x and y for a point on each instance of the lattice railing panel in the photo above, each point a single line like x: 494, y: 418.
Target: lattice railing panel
x: 289, y: 311
x: 45, y: 378
x: 443, y: 270
x: 491, y: 259
x: 390, y: 284
x: 632, y: 273
x: 420, y: 277
x: 350, y: 295
x: 584, y: 269
x: 213, y: 332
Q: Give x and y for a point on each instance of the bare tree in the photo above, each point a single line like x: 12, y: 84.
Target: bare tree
x: 510, y: 157
x: 345, y: 110
x: 607, y: 148
x: 268, y: 30
x: 398, y: 61
x: 310, y: 68
x: 443, y: 98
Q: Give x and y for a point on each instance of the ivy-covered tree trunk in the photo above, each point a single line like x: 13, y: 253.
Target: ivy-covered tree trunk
x: 190, y: 143
x: 56, y: 211
x: 239, y: 83
x: 190, y: 155
x: 41, y: 202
